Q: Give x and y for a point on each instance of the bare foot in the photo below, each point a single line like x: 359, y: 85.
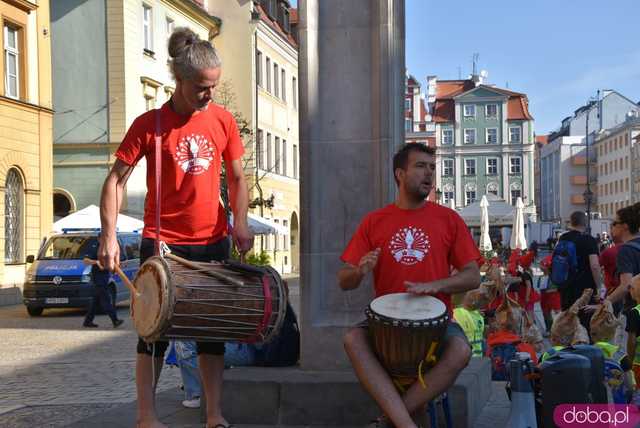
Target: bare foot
x: 154, y: 423
x: 217, y: 422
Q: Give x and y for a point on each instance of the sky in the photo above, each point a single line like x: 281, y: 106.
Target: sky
x: 558, y: 52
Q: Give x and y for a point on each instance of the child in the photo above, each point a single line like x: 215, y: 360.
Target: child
x: 549, y: 295
x: 506, y: 340
x: 471, y: 320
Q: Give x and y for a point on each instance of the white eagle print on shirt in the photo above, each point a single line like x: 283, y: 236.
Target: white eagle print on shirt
x: 194, y: 154
x: 409, y: 245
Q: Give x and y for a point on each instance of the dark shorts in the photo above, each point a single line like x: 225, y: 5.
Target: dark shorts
x: 453, y: 330
x: 219, y: 251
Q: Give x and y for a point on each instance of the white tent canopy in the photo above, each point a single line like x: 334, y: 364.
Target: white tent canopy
x: 89, y: 218
x: 262, y: 226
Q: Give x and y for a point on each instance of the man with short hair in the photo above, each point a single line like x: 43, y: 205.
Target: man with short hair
x: 410, y: 246
x: 587, y: 273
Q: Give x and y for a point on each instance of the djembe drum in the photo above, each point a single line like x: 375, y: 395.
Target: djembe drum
x: 229, y: 301
x: 406, y: 332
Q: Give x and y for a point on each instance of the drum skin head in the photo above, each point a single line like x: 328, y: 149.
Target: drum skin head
x: 151, y: 307
x: 407, y: 306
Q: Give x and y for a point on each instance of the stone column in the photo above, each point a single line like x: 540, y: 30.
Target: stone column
x: 351, y: 69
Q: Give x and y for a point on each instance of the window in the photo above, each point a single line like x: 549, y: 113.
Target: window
x: 491, y: 110
x: 407, y: 104
x: 283, y: 84
x: 515, y: 166
x: 447, y: 136
x: 469, y: 136
x: 295, y: 161
x: 268, y: 76
x: 294, y: 92
x: 470, y: 167
x: 269, y: 153
x: 492, y: 136
x: 284, y: 157
x: 147, y: 27
x: 514, y: 135
x: 447, y: 167
x: 277, y: 157
x: 276, y: 238
x: 259, y: 150
x: 285, y: 241
x: 170, y: 26
x: 515, y: 194
x: 448, y: 196
x: 13, y: 217
x: 407, y: 125
x: 492, y: 166
x: 276, y: 86
x: 11, y: 62
x: 469, y: 197
x: 469, y: 110
x: 149, y: 102
x: 259, y: 80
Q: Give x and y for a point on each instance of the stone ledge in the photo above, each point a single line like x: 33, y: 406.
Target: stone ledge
x: 292, y: 396
x: 10, y: 296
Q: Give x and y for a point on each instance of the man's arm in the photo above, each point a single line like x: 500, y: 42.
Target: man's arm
x: 596, y: 271
x: 622, y: 289
x: 350, y: 277
x: 110, y: 202
x: 467, y: 278
x: 239, y: 199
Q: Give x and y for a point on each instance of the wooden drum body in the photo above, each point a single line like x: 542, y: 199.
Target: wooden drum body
x: 406, y: 332
x: 207, y: 301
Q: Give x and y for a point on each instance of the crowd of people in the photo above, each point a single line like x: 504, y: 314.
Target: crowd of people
x: 587, y: 294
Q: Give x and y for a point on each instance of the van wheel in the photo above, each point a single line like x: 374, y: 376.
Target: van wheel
x: 35, y: 311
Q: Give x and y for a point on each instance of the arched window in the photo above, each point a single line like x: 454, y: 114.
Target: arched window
x: 13, y: 217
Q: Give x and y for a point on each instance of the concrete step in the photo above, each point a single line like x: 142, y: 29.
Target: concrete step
x: 296, y: 397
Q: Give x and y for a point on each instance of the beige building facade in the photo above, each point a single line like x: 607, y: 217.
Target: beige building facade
x: 25, y: 138
x: 126, y: 60
x: 618, y: 182
x: 260, y: 64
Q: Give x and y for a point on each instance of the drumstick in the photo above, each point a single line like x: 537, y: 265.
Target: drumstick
x: 125, y: 279
x: 200, y: 267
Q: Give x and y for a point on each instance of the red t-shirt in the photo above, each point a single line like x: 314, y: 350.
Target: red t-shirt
x: 608, y: 263
x: 192, y: 151
x: 417, y: 245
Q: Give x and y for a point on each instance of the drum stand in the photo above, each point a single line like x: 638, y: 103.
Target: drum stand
x: 446, y: 410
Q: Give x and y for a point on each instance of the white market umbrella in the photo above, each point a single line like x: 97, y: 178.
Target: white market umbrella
x: 518, y: 239
x: 89, y: 218
x: 485, y: 239
x: 452, y: 204
x: 262, y: 226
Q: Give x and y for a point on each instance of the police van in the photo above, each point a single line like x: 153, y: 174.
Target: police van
x: 58, y: 277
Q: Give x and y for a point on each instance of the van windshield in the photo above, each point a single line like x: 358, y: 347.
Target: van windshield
x: 70, y: 247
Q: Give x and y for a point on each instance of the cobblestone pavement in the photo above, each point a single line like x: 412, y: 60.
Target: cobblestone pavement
x: 53, y: 371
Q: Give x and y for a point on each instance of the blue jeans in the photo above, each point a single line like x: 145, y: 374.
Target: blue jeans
x: 188, y: 362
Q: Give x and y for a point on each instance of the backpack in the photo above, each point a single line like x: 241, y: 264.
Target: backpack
x: 500, y: 356
x: 564, y: 262
x: 614, y: 380
x: 284, y: 349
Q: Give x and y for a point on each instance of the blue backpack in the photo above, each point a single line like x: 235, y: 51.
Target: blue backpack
x: 614, y: 379
x: 500, y: 356
x: 564, y: 262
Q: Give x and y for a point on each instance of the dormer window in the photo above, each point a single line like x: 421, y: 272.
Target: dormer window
x: 283, y: 17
